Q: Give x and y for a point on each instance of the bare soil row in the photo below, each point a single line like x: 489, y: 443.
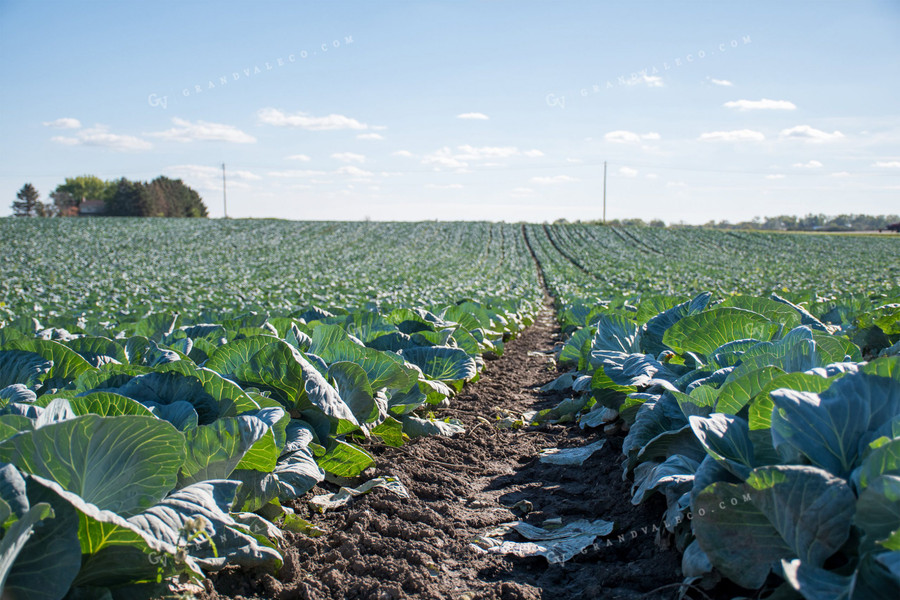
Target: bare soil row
x: 384, y: 547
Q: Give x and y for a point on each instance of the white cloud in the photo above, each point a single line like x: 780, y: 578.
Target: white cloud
x: 486, y: 152
x: 809, y: 134
x: 627, y: 172
x: 370, y: 136
x: 813, y: 164
x: 776, y: 176
x: 210, y: 178
x: 64, y: 123
x: 443, y: 158
x: 887, y: 164
x: 474, y: 116
x: 676, y: 184
x: 629, y: 137
x: 446, y: 157
x: 349, y: 157
x: 764, y: 104
x: 302, y: 120
x: 99, y: 136
x: 300, y: 157
x: 737, y: 135
x: 651, y: 176
x: 554, y: 179
x: 650, y: 80
x: 449, y: 186
x: 841, y: 174
x: 721, y: 82
x: 185, y: 131
x: 353, y: 171
x: 403, y: 153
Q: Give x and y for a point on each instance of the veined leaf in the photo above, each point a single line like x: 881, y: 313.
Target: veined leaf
x: 706, y: 331
x: 123, y: 464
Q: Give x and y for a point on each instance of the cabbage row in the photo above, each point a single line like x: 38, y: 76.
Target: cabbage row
x: 774, y: 443
x: 167, y: 449
x: 168, y: 387
x: 584, y: 262
x: 117, y: 270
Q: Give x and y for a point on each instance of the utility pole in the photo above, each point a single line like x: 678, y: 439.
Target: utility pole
x: 604, y: 191
x: 224, y: 194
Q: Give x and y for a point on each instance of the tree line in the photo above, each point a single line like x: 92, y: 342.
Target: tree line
x: 88, y: 194
x: 810, y: 222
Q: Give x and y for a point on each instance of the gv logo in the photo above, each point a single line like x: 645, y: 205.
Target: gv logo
x: 154, y: 100
x: 554, y: 100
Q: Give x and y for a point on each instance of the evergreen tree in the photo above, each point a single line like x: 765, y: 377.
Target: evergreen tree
x: 26, y: 204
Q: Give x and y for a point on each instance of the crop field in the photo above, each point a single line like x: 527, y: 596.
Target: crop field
x: 275, y: 409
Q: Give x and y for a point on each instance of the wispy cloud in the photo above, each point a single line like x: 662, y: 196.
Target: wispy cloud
x: 649, y: 80
x: 100, y: 136
x: 764, y: 104
x: 302, y: 120
x: 776, y: 176
x: 473, y: 116
x: 554, y: 179
x: 449, y: 186
x: 468, y: 152
x: 629, y: 137
x: 349, y: 157
x: 737, y: 135
x: 721, y: 82
x: 813, y: 164
x: 443, y: 157
x: 403, y: 153
x: 300, y: 157
x: 64, y: 123
x: 887, y: 164
x: 841, y: 174
x: 370, y: 136
x: 185, y: 131
x: 628, y: 172
x: 353, y: 171
x: 465, y: 154
x: 809, y: 134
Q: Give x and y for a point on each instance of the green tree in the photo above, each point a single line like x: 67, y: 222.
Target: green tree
x: 86, y: 187
x: 126, y: 200
x: 172, y: 198
x: 27, y: 201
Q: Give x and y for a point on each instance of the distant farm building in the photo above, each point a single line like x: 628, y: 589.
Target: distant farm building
x: 893, y: 227
x: 91, y: 208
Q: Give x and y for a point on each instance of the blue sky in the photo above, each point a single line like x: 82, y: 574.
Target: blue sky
x: 497, y: 110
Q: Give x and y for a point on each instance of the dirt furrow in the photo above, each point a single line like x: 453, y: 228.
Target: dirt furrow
x: 383, y: 547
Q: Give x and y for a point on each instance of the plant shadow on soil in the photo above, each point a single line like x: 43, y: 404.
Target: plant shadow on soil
x: 384, y: 548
